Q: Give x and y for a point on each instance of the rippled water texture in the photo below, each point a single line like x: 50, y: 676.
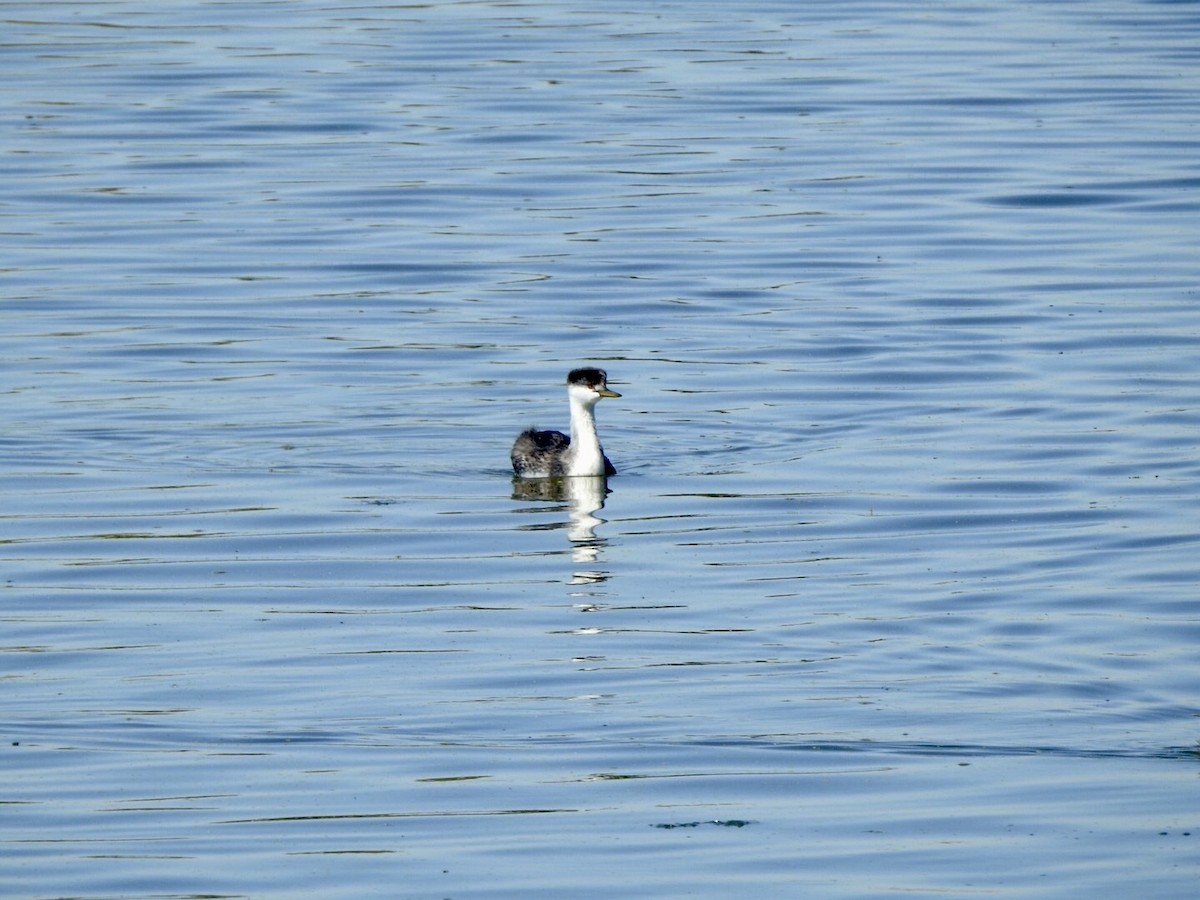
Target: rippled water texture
x: 895, y: 592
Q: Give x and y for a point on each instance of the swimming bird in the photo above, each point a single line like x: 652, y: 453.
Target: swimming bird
x: 550, y: 454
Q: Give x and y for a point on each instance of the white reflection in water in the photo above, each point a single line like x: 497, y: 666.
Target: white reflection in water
x: 584, y: 496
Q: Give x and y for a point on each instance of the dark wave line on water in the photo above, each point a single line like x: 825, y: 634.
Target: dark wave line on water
x: 920, y: 748
x: 928, y: 748
x: 889, y: 748
x: 45, y: 735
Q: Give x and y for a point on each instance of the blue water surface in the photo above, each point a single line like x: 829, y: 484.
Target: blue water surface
x: 895, y: 591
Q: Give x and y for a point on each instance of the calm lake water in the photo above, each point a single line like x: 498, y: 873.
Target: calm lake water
x: 896, y: 592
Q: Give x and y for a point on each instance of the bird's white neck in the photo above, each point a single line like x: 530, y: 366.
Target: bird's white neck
x: 587, y: 456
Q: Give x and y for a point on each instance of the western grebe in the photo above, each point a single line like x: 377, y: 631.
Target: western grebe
x: 550, y: 454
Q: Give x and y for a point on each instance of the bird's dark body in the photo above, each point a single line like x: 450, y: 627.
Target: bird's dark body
x: 542, y: 451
